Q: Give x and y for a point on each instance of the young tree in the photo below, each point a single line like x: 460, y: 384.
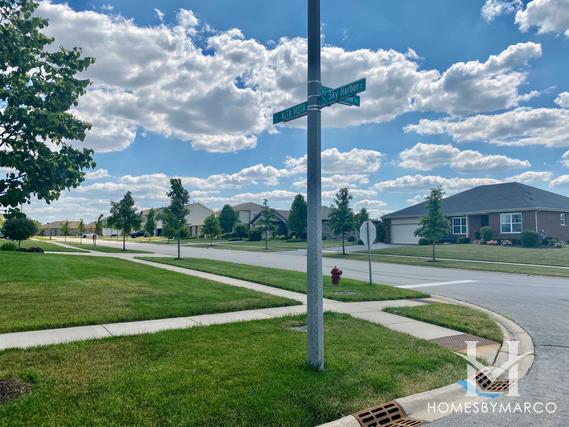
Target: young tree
x: 150, y: 224
x: 18, y: 226
x: 81, y: 230
x: 211, y: 228
x: 65, y: 230
x: 240, y: 230
x: 38, y: 90
x: 266, y: 221
x: 342, y: 215
x: 124, y: 216
x: 227, y: 219
x: 297, y: 216
x: 361, y: 217
x: 175, y: 214
x: 99, y: 225
x: 435, y: 225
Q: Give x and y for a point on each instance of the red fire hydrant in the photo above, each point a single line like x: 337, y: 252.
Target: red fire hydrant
x: 336, y: 273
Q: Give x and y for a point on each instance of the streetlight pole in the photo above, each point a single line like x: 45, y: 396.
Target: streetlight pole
x: 314, y: 194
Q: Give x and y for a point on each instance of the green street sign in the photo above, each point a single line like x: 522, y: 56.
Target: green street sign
x: 342, y: 93
x: 291, y: 113
x: 345, y: 95
x: 353, y: 101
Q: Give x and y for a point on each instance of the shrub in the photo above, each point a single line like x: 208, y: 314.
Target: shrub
x: 227, y: 236
x: 464, y: 240
x: 529, y: 238
x: 351, y: 239
x: 255, y: 234
x: 559, y: 244
x: 34, y: 249
x: 240, y: 231
x: 486, y: 233
x: 449, y: 239
x: 424, y: 242
x: 9, y: 246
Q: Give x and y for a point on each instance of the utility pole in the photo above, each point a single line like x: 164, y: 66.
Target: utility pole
x: 314, y: 194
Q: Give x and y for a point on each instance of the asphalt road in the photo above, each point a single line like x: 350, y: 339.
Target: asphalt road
x: 539, y: 304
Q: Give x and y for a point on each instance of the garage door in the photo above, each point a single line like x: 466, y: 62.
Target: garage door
x: 403, y: 232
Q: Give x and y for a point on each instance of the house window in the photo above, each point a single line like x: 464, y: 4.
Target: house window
x: 511, y: 223
x: 459, y: 225
x: 563, y: 220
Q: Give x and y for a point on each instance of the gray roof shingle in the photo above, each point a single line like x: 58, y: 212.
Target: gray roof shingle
x: 492, y: 198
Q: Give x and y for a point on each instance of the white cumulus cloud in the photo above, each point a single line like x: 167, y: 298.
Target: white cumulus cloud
x: 548, y: 16
x: 563, y: 100
x: 494, y: 8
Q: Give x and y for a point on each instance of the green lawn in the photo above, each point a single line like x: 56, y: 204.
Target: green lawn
x: 350, y: 290
x: 458, y: 317
x: 464, y: 265
x: 545, y: 256
x: 244, y: 374
x: 40, y: 291
x: 107, y: 249
x: 274, y: 245
x: 45, y: 245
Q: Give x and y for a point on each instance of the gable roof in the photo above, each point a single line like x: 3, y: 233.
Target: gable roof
x: 510, y: 196
x: 248, y: 206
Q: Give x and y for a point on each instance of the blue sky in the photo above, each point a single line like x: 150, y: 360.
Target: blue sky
x: 459, y: 94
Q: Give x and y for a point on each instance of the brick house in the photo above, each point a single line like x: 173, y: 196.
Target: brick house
x: 508, y: 209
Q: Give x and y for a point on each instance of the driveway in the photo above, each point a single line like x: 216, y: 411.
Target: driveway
x: 539, y: 304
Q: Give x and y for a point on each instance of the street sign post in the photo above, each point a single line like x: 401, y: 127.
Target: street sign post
x: 345, y: 95
x: 318, y: 97
x: 367, y: 236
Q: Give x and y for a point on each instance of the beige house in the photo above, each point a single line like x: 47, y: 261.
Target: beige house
x: 195, y: 219
x: 53, y: 229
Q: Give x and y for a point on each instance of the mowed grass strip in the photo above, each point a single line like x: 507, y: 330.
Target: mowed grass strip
x: 350, y: 290
x: 541, y: 256
x: 243, y: 374
x: 45, y: 245
x: 462, y: 265
x: 106, y: 249
x: 259, y: 246
x: 39, y: 291
x: 454, y: 316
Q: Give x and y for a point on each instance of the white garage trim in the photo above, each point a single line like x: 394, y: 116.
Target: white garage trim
x: 403, y: 231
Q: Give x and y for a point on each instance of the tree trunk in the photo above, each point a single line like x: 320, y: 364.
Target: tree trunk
x: 19, y: 243
x: 124, y: 240
x: 211, y: 242
x: 434, y: 259
x: 343, y: 245
x: 266, y: 239
x: 178, y: 246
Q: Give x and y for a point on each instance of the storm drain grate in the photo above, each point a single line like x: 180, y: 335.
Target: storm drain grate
x: 390, y: 414
x: 458, y: 342
x: 486, y: 384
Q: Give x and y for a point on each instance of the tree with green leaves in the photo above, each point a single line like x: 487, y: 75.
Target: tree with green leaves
x: 227, y: 219
x: 211, y: 228
x: 38, y: 88
x: 434, y: 226
x: 175, y: 214
x: 150, y: 224
x: 240, y: 230
x: 342, y: 216
x: 361, y: 217
x: 99, y: 225
x: 17, y: 226
x: 266, y: 221
x: 81, y: 230
x: 298, y: 216
x: 124, y: 216
x: 65, y: 230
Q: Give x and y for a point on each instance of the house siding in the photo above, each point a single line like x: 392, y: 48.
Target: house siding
x: 549, y: 223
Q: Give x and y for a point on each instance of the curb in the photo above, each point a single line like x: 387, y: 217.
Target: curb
x: 416, y: 406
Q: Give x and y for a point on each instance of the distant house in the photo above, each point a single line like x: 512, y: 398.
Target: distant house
x: 246, y: 212
x: 53, y: 229
x: 508, y: 209
x: 280, y: 222
x: 195, y: 219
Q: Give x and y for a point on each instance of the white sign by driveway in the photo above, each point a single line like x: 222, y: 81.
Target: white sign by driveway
x: 367, y: 235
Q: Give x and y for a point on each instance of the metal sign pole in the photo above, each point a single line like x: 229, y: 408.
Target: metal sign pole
x: 368, y: 251
x: 314, y: 194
